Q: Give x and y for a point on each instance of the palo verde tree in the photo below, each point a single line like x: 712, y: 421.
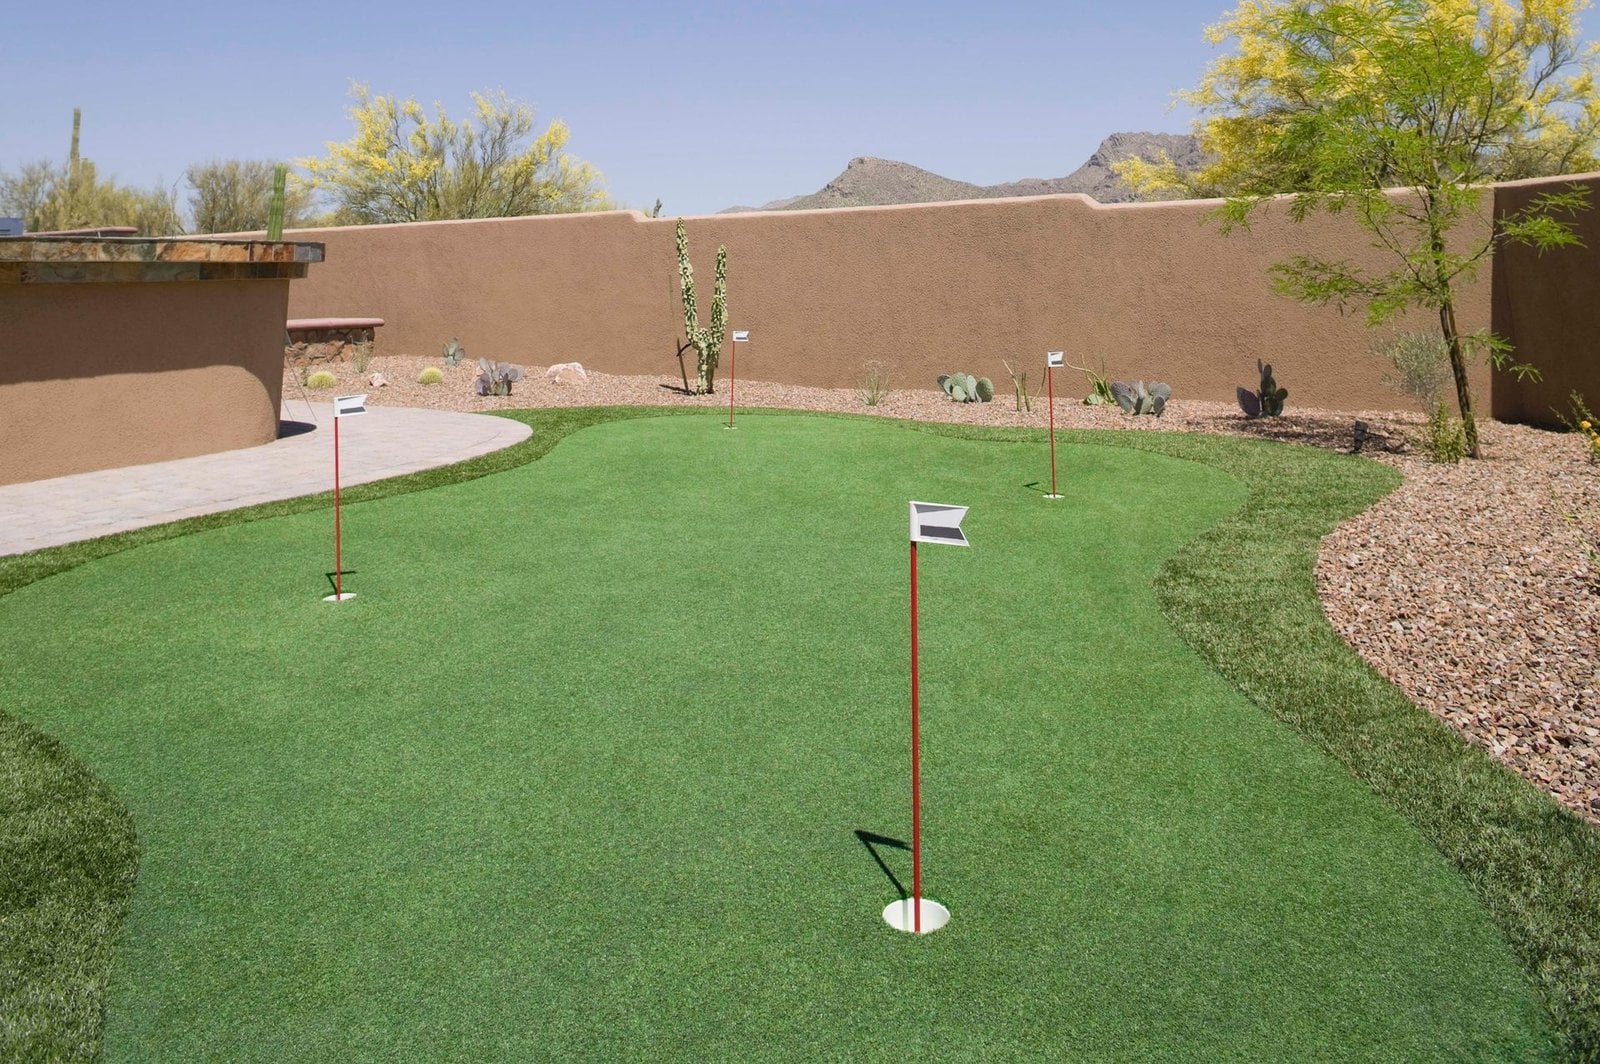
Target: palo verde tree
x: 235, y: 196
x: 403, y: 166
x: 707, y: 340
x: 1335, y: 101
x: 48, y: 195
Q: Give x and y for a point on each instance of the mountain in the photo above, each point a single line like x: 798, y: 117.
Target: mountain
x: 869, y: 182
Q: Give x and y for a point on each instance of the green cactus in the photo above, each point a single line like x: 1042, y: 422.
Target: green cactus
x: 965, y: 388
x: 1267, y: 401
x: 1139, y: 398
x: 280, y: 178
x: 707, y: 342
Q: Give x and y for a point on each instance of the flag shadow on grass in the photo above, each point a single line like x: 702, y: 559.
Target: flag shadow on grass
x: 872, y: 841
x: 333, y: 584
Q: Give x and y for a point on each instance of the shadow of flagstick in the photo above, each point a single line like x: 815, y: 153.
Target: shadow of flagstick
x: 872, y: 841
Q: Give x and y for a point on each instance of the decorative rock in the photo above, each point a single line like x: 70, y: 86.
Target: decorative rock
x: 560, y: 372
x: 378, y: 380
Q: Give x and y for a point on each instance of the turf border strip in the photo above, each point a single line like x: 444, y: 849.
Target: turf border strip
x: 1242, y: 594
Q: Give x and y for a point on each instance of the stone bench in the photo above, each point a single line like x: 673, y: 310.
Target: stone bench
x: 326, y: 339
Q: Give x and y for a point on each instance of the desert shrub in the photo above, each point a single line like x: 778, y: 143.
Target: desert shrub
x: 874, y: 382
x: 361, y: 357
x: 1445, y: 438
x: 1099, y: 385
x: 1583, y: 421
x: 321, y: 379
x: 430, y: 375
x: 1420, y: 367
x: 1019, y: 387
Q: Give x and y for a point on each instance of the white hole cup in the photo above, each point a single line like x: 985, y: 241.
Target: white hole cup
x: 901, y: 915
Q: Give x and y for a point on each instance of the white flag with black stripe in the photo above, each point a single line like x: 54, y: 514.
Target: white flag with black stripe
x: 933, y: 522
x: 349, y: 405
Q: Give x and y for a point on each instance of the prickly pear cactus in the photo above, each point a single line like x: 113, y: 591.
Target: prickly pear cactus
x: 1271, y: 395
x: 1140, y: 398
x: 1267, y: 400
x: 965, y: 388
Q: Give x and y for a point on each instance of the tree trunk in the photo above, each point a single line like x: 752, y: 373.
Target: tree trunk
x: 706, y: 385
x: 1452, y: 336
x: 1458, y: 369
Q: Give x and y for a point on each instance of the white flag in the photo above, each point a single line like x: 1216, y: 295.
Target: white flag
x: 933, y: 522
x: 1054, y: 358
x: 741, y: 336
x: 349, y: 405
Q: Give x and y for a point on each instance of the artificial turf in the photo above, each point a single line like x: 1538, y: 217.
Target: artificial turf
x: 582, y: 769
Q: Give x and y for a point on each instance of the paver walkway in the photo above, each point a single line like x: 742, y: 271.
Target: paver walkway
x: 384, y: 442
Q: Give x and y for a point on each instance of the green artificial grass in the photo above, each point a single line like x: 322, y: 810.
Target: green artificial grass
x: 583, y: 768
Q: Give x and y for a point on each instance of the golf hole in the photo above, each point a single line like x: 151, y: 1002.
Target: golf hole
x: 901, y: 916
x: 339, y: 598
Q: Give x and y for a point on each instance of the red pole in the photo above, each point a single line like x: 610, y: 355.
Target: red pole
x: 1050, y: 386
x: 916, y: 790
x: 733, y: 365
x: 338, y: 570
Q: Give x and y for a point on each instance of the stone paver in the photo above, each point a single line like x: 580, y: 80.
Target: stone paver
x: 384, y: 442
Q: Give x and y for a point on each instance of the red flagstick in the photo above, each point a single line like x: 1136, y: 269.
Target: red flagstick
x: 916, y: 790
x: 733, y: 365
x: 338, y: 569
x: 1050, y: 387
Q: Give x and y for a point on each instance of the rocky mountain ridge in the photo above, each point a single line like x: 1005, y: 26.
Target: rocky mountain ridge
x: 872, y: 182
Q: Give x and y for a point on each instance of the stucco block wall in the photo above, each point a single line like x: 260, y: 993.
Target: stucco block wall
x: 927, y: 288
x: 95, y: 376
x: 1548, y: 306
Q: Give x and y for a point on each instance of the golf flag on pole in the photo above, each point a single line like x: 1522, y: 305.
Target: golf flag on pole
x: 933, y: 522
x: 349, y: 405
x: 1054, y: 358
x: 741, y: 336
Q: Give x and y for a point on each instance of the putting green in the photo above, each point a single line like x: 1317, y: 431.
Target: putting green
x: 581, y: 770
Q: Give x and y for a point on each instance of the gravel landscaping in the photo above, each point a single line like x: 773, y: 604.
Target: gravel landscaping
x: 1475, y: 587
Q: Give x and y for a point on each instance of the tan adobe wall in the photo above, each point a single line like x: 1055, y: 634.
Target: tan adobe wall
x: 1548, y: 306
x: 100, y: 375
x: 928, y: 288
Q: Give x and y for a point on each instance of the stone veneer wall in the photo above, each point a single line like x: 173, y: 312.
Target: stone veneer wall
x: 115, y: 353
x: 1152, y: 289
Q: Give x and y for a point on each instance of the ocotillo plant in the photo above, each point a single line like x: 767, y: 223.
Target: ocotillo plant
x: 707, y: 342
x: 280, y: 179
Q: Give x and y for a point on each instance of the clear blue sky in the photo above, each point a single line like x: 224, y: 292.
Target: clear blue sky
x: 703, y: 104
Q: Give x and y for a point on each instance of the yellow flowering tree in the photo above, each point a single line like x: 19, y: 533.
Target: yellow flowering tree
x: 1334, y: 101
x: 403, y: 166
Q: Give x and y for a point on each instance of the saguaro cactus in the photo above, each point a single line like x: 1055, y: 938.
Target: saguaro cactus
x: 280, y: 178
x: 707, y: 342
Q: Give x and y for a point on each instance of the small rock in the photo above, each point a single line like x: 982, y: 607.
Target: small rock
x: 378, y: 380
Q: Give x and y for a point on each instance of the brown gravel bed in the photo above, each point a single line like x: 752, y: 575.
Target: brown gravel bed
x: 1473, y: 587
